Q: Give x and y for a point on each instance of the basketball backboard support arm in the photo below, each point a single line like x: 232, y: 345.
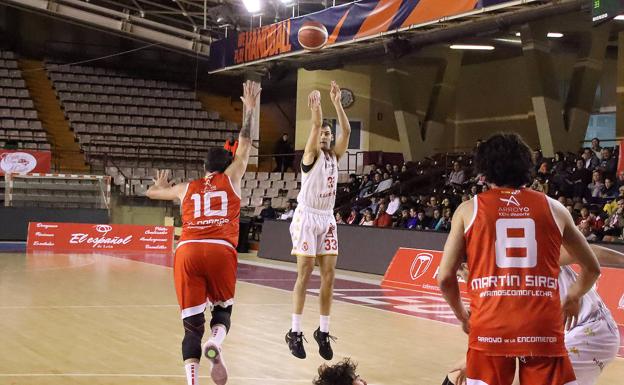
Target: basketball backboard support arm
x: 120, y: 23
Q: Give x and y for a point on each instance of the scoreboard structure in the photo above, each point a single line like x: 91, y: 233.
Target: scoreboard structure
x: 605, y: 10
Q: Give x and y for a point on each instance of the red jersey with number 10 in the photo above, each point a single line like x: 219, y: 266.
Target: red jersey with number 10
x: 211, y: 210
x: 513, y: 247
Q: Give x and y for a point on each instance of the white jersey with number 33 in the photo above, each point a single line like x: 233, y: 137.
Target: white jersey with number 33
x: 318, y: 186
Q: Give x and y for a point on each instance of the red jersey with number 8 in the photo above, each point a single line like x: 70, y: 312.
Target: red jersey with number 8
x: 211, y: 210
x: 513, y: 246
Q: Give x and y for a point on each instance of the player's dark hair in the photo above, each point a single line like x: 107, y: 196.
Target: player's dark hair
x: 505, y: 160
x: 342, y: 373
x: 326, y: 124
x: 217, y: 159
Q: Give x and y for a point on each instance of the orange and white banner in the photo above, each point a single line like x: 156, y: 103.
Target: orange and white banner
x: 84, y: 237
x: 416, y: 269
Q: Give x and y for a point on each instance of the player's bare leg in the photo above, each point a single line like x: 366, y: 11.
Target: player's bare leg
x: 327, y: 265
x: 294, y: 337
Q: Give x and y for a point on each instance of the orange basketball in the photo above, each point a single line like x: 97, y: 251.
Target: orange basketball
x: 312, y: 35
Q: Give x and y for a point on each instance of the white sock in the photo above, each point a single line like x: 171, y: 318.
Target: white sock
x: 325, y: 323
x: 218, y: 334
x: 192, y: 373
x: 296, y: 323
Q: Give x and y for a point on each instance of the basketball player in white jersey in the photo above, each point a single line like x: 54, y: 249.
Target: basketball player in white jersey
x: 594, y: 341
x: 313, y: 227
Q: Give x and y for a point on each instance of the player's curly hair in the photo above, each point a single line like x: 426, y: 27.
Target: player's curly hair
x: 217, y: 159
x: 505, y: 160
x: 342, y: 373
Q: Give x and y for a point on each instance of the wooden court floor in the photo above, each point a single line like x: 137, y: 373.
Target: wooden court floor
x: 97, y: 319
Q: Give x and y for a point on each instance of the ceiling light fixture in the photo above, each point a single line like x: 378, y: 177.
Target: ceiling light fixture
x: 619, y: 17
x: 252, y: 6
x: 473, y: 47
x: 555, y: 35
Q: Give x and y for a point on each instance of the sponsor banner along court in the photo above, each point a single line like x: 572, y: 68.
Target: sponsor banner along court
x: 417, y: 269
x: 24, y: 162
x: 83, y: 237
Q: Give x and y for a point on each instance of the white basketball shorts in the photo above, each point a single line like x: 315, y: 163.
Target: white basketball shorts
x: 313, y: 233
x: 591, y: 347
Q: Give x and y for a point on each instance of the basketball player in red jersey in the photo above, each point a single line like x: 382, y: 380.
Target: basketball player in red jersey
x: 512, y: 237
x: 205, y: 260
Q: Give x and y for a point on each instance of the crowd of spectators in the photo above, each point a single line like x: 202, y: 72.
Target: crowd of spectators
x: 587, y: 183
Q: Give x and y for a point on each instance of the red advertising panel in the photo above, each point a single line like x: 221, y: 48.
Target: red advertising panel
x: 416, y: 269
x: 84, y: 237
x: 24, y: 162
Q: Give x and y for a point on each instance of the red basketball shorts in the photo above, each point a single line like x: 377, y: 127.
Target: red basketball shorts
x: 482, y: 369
x: 205, y: 275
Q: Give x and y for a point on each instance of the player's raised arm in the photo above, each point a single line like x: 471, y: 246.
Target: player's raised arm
x: 454, y: 252
x: 342, y: 141
x: 605, y: 256
x: 162, y: 189
x: 313, y: 146
x: 251, y: 95
x: 581, y: 253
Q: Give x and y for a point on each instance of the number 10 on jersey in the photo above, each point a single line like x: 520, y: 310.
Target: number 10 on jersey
x: 206, y: 200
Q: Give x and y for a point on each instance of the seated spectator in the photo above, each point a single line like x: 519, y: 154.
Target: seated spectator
x: 446, y: 204
x: 436, y: 220
x: 543, y: 171
x: 384, y: 184
x: 484, y: 188
x: 540, y: 184
x: 588, y: 231
x: 267, y: 212
x: 423, y: 221
x: 403, y: 169
x: 367, y: 219
x: 614, y: 224
x: 465, y: 197
x: 373, y: 171
x: 353, y: 185
x: 610, y: 190
x: 393, y: 204
x: 396, y: 172
x: 457, y: 177
x: 474, y: 190
x: 403, y: 219
x: 412, y: 222
x: 590, y: 159
x: 372, y: 206
x: 608, y: 165
x: 383, y: 219
x: 596, y: 186
x: 480, y: 179
x: 447, y: 215
x: 354, y: 217
x: 431, y: 205
x: 290, y: 210
x: 339, y: 220
x: 388, y: 169
x: 366, y: 186
x: 405, y: 203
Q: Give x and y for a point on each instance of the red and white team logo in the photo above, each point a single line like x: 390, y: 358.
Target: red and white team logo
x: 420, y: 265
x: 305, y: 246
x: 512, y: 200
x: 17, y: 163
x: 330, y: 231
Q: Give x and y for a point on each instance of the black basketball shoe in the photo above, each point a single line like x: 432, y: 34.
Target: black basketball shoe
x: 323, y: 340
x: 295, y: 343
